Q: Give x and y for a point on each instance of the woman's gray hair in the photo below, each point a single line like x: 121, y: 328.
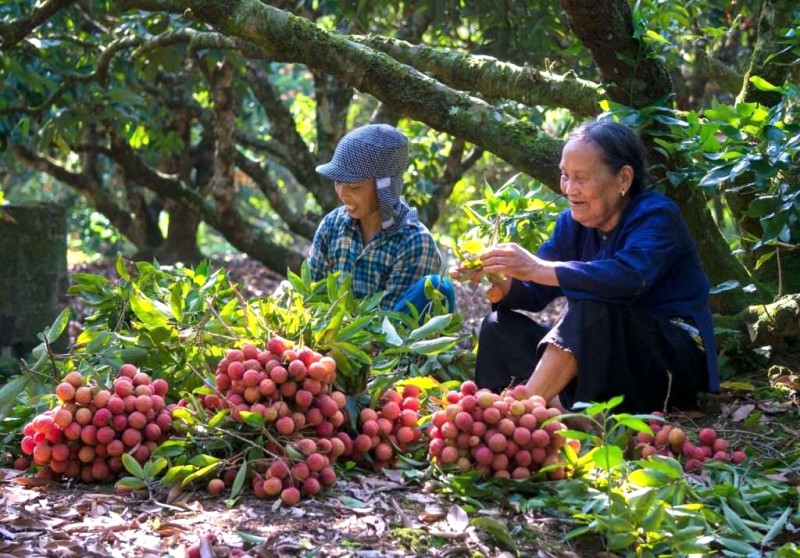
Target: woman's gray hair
x: 619, y: 146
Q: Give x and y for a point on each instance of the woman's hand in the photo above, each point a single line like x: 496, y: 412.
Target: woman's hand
x: 500, y: 285
x: 512, y: 261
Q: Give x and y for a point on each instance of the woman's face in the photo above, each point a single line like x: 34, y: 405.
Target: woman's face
x: 593, y: 189
x: 360, y: 199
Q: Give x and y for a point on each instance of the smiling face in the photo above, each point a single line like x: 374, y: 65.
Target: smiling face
x: 594, y: 190
x: 360, y: 199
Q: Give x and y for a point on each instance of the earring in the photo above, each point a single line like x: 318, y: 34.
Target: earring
x: 623, y: 193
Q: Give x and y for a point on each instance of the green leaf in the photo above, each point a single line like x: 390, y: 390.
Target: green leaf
x: 353, y: 503
x: 58, y: 326
x: 392, y: 338
x: 656, y: 37
x: 132, y: 466
x: 717, y: 175
x: 146, y: 310
x: 171, y: 448
x: 177, y: 473
x: 251, y: 539
x: 122, y: 271
x: 432, y: 326
x: 735, y: 522
x: 9, y: 394
x: 738, y: 546
x: 253, y: 419
x: 218, y: 418
x: 200, y: 473
x: 607, y: 456
x: 153, y: 467
x: 634, y: 423
x: 666, y: 465
x: 204, y: 460
x: 185, y: 415
x: 498, y: 530
x: 763, y: 85
x: 131, y: 482
x: 433, y: 346
x: 777, y: 527
x: 133, y: 355
x: 649, y: 478
x: 238, y: 482
x: 350, y: 331
x: 177, y: 300
x: 620, y: 541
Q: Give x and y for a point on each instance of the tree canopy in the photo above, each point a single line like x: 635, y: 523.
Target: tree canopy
x: 218, y: 111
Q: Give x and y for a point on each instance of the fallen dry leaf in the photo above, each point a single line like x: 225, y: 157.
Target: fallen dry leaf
x: 742, y: 412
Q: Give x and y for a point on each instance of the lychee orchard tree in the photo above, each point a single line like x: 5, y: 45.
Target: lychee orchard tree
x: 217, y: 112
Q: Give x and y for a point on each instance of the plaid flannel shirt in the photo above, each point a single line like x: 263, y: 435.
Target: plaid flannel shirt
x: 391, y: 262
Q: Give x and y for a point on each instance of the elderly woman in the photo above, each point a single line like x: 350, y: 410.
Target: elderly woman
x: 636, y: 321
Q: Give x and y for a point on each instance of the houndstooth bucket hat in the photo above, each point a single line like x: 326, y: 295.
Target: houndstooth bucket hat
x: 378, y: 151
x: 371, y: 151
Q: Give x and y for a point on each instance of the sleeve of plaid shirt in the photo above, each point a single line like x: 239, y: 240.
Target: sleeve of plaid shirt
x: 418, y: 257
x: 318, y: 258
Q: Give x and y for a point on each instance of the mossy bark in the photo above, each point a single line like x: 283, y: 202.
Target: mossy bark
x: 285, y: 37
x: 766, y: 324
x: 494, y: 78
x: 33, y: 275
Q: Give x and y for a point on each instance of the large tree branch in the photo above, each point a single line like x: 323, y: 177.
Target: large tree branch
x: 84, y: 184
x: 242, y: 236
x: 726, y: 77
x: 12, y: 33
x: 299, y: 159
x: 493, y: 78
x: 636, y: 78
x: 289, y: 38
x: 295, y: 220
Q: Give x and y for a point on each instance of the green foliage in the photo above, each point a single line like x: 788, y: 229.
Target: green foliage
x: 650, y: 507
x: 141, y: 477
x: 177, y: 323
x: 521, y: 210
x: 742, y: 149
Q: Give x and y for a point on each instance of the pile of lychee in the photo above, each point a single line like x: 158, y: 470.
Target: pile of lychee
x: 87, y: 434
x: 510, y: 435
x: 291, y: 388
x: 671, y: 440
x: 389, y: 430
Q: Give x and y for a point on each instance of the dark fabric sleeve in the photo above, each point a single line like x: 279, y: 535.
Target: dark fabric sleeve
x: 649, y: 243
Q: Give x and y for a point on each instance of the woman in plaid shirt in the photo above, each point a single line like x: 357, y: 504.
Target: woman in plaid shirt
x: 375, y: 236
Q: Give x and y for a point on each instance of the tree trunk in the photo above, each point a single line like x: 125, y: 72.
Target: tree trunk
x: 181, y: 242
x: 771, y: 59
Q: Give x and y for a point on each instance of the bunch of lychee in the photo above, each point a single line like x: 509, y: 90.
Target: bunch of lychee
x: 87, y: 434
x: 291, y: 389
x: 510, y: 435
x: 671, y: 440
x: 389, y: 430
